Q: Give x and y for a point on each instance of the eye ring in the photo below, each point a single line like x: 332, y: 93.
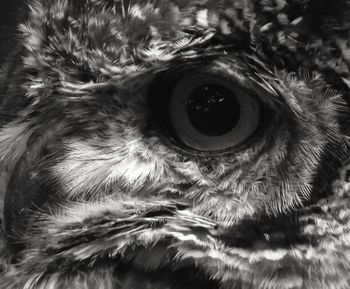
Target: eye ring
x: 197, y: 140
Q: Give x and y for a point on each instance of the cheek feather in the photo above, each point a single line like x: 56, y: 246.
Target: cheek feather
x: 129, y: 164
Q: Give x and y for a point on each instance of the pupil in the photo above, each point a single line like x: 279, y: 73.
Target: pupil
x: 213, y: 109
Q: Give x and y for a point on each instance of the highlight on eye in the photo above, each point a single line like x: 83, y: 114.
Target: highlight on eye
x: 210, y: 113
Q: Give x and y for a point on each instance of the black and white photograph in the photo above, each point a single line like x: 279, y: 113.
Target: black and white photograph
x: 174, y: 144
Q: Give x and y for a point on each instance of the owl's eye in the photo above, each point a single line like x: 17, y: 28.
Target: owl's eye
x: 210, y: 113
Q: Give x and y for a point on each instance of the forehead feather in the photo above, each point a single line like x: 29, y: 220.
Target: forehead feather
x: 111, y: 37
x: 105, y: 33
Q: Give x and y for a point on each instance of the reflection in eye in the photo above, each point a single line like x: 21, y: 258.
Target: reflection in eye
x: 210, y: 113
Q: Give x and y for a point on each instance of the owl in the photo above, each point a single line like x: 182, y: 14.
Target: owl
x: 173, y: 144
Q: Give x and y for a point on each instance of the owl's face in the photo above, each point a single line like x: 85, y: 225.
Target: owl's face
x: 215, y: 117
